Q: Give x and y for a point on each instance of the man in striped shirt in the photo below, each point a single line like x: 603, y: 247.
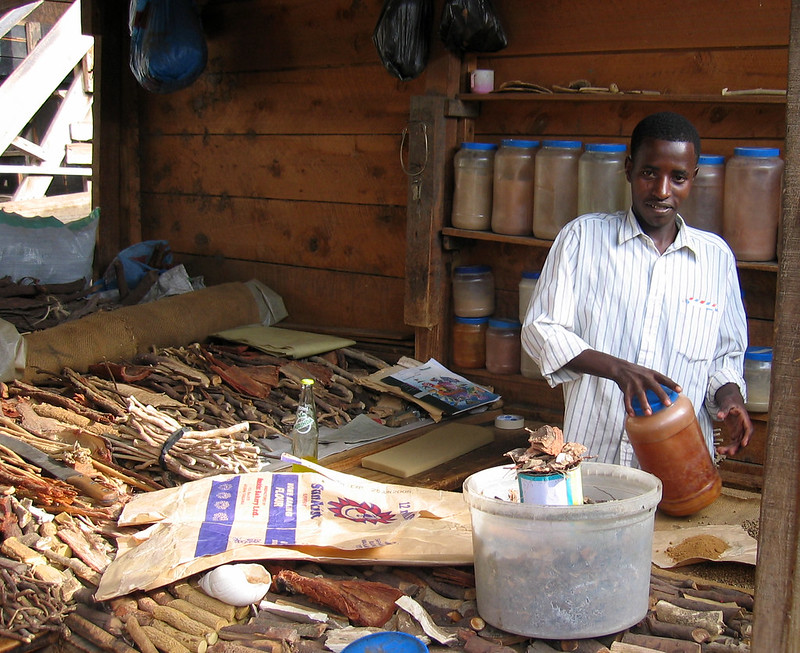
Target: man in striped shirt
x: 630, y: 301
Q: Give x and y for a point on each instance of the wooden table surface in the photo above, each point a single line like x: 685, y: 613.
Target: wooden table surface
x: 447, y: 476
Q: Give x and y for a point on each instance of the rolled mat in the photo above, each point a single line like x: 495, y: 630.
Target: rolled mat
x: 123, y: 334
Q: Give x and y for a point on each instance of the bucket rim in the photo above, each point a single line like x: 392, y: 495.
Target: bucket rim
x: 642, y: 503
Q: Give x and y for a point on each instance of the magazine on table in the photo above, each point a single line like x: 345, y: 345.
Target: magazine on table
x: 433, y: 383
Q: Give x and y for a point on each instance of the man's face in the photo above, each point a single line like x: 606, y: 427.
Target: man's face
x: 661, y: 176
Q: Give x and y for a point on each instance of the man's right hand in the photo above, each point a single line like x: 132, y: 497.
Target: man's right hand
x: 634, y: 380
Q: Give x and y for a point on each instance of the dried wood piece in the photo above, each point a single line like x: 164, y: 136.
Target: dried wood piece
x: 139, y: 636
x: 202, y: 600
x: 263, y: 628
x: 213, y: 621
x: 177, y: 619
x: 164, y: 642
x: 663, y: 644
x: 105, y: 620
x: 21, y: 388
x: 97, y: 635
x: 723, y: 595
x: 365, y: 603
x: 195, y: 643
x: 676, y: 631
x: 710, y: 620
x: 83, y: 548
x: 232, y: 647
x: 80, y: 568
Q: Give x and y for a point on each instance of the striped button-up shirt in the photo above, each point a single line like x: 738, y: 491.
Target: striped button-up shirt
x: 606, y: 287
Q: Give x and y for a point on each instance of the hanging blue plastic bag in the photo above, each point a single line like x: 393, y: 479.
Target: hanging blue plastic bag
x: 168, y: 47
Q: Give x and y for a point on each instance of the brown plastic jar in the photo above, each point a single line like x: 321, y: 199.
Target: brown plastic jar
x: 503, y: 346
x: 752, y: 206
x: 469, y: 342
x: 670, y: 445
x: 512, y: 192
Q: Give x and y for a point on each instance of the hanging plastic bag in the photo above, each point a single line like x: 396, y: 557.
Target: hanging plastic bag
x: 168, y: 47
x: 471, y: 26
x: 403, y: 36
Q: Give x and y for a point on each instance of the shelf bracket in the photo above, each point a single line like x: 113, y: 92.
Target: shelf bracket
x: 455, y: 108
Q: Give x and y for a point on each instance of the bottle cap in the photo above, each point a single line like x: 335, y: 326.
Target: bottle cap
x: 478, y: 146
x: 570, y: 145
x: 654, y: 400
x: 756, y: 151
x: 759, y: 353
x: 606, y: 147
x: 515, y: 142
x: 503, y: 323
x: 472, y: 269
x: 530, y: 274
x: 509, y: 422
x: 710, y: 159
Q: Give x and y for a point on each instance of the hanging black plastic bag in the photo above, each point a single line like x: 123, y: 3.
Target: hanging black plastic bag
x: 471, y: 26
x: 168, y: 47
x: 403, y: 36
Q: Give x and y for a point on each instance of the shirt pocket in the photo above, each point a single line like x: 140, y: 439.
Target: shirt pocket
x: 696, y: 331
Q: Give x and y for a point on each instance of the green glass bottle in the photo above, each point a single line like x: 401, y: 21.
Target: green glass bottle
x: 305, y: 434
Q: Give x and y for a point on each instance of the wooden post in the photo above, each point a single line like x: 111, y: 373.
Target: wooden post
x: 115, y: 178
x: 777, y: 609
x: 432, y: 140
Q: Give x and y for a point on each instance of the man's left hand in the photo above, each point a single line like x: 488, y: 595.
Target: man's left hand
x: 736, y: 418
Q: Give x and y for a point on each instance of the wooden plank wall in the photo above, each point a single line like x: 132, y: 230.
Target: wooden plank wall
x: 282, y: 162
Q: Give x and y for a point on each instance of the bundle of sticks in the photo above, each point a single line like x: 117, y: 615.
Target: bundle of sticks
x: 30, y: 305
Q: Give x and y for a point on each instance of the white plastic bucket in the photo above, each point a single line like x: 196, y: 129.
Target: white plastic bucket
x: 564, y: 572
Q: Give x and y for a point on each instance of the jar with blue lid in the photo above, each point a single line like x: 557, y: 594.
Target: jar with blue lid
x: 473, y: 291
x: 670, y: 445
x: 555, y: 188
x: 704, y: 205
x: 752, y: 208
x: 503, y: 346
x: 757, y: 376
x: 602, y: 183
x: 469, y: 342
x: 473, y: 177
x: 512, y: 203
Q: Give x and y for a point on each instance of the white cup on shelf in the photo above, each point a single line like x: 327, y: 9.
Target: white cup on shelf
x: 481, y: 80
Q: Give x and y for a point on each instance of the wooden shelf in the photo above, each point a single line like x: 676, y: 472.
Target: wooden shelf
x: 622, y: 97
x: 530, y: 241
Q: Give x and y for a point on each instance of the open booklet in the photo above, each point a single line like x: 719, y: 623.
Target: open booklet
x: 434, y: 384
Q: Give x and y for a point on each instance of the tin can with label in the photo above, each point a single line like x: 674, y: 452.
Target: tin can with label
x: 560, y: 489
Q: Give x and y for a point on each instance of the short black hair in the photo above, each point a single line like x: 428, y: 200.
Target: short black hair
x: 665, y: 126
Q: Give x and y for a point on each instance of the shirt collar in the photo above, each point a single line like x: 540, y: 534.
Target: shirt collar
x: 630, y: 229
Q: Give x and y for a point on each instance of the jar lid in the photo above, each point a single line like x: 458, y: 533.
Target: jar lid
x: 756, y: 151
x: 567, y: 145
x: 472, y: 269
x: 654, y: 400
x: 504, y: 323
x: 606, y: 147
x: 710, y: 159
x: 758, y: 353
x: 478, y: 146
x: 515, y: 142
x: 530, y: 274
x: 471, y: 320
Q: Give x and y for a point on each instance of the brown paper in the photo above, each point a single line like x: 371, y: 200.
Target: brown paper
x: 333, y: 517
x: 686, y: 546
